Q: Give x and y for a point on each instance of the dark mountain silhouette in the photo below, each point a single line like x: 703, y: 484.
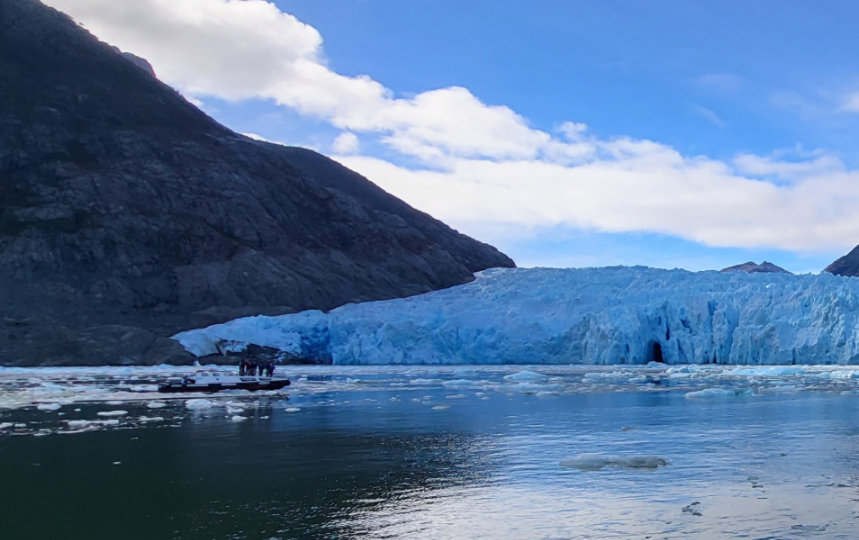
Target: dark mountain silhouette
x: 126, y: 214
x: 847, y: 265
x: 752, y: 267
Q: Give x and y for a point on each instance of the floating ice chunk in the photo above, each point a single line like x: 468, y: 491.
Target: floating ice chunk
x: 458, y: 383
x: 424, y: 382
x: 767, y: 371
x: 440, y: 407
x: 529, y: 388
x: 640, y: 462
x: 80, y: 424
x: 199, y: 404
x: 112, y: 413
x: 600, y: 375
x: 156, y: 404
x: 586, y: 462
x: 526, y: 376
x: 5, y: 425
x: 843, y: 374
x: 48, y: 406
x: 595, y: 462
x: 238, y: 418
x: 710, y: 393
x: 150, y: 419
x: 292, y: 409
x: 234, y: 410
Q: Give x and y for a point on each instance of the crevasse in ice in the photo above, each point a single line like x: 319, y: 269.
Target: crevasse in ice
x: 618, y: 315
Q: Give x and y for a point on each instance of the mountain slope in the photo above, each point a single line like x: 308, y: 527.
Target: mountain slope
x: 848, y: 265
x: 127, y: 214
x: 752, y: 267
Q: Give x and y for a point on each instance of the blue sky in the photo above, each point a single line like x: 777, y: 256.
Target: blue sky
x: 671, y: 134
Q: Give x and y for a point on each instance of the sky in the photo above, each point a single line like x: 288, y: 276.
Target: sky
x: 663, y: 133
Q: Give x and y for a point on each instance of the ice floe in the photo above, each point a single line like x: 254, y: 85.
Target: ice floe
x: 48, y: 406
x: 595, y: 462
x: 112, y: 413
x: 711, y: 393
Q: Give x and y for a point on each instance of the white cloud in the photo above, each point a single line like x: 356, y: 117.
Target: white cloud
x: 346, y: 143
x: 720, y: 82
x: 236, y: 49
x: 485, y: 163
x: 851, y: 103
x: 772, y: 166
x: 709, y: 114
x: 651, y: 189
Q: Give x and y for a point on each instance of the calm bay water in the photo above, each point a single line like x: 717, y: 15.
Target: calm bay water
x: 403, y: 452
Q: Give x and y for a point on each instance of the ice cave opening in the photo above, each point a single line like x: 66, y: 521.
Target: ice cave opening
x: 654, y: 352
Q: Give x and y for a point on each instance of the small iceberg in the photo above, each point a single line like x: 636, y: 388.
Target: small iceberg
x: 717, y: 393
x: 526, y: 376
x: 48, y: 406
x: 595, y: 462
x: 199, y: 404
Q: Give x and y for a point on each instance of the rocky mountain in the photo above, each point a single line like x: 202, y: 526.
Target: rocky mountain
x: 127, y: 214
x: 752, y: 267
x: 847, y: 265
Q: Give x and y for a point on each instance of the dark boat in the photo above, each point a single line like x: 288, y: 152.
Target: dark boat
x: 214, y: 381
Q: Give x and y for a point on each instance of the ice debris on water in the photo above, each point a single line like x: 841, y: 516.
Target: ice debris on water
x: 693, y: 508
x: 526, y: 376
x: 595, y: 462
x: 238, y: 418
x: 85, y: 424
x: 112, y: 413
x: 199, y: 404
x: 48, y: 406
x: 716, y: 393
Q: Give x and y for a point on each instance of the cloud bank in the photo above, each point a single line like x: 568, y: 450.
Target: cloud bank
x: 478, y: 163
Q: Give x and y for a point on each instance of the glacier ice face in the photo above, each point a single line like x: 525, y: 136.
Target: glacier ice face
x: 617, y: 315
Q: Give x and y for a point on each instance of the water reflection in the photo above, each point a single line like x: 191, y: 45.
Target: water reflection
x: 442, y: 454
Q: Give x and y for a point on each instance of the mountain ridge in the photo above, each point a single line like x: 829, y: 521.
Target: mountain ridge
x: 127, y: 214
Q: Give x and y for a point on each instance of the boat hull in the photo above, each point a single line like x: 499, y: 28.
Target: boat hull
x: 211, y: 387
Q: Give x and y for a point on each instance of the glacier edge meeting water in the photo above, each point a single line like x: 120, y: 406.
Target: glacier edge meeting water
x: 615, y: 315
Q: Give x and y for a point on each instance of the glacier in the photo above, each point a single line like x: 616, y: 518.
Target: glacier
x: 614, y: 315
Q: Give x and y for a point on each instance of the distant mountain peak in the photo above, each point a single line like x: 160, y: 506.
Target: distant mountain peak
x: 848, y: 265
x: 752, y: 267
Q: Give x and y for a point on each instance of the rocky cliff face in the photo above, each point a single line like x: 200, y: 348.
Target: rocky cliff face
x: 753, y: 268
x: 126, y: 214
x: 847, y: 265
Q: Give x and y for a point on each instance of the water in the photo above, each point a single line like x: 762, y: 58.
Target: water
x: 412, y: 452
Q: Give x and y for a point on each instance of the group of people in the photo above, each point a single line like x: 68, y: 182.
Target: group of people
x: 255, y: 367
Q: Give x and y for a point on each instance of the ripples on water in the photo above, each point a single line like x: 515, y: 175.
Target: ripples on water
x: 441, y: 452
